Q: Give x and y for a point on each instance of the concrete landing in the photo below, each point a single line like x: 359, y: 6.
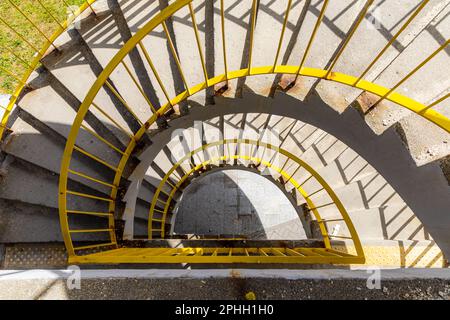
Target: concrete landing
x: 237, y: 202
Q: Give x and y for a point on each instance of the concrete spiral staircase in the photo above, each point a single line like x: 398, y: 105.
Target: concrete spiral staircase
x: 384, y: 165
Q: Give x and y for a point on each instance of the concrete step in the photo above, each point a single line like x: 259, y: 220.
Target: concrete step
x: 31, y: 136
x: 43, y: 188
x: 371, y: 191
x: 28, y: 223
x: 28, y: 143
x: 88, y: 68
x: 105, y: 36
x: 394, y: 222
x: 55, y: 107
x: 373, y: 31
x: 347, y: 168
x: 433, y: 146
x: 182, y: 33
x: 48, y: 110
x: 157, y: 46
x: 356, y: 182
x: 431, y: 23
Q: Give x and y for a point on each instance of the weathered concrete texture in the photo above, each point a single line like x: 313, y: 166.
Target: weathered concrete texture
x: 45, y: 113
x: 227, y: 284
x: 371, y: 174
x: 424, y: 148
x: 426, y: 86
x: 237, y: 202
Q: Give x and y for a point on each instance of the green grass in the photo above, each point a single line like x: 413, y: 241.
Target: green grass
x: 9, y: 40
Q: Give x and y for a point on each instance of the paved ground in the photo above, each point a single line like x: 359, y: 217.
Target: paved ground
x: 309, y: 284
x: 234, y: 289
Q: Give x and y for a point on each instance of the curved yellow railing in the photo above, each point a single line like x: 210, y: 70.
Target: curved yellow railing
x: 288, y: 178
x: 38, y: 54
x: 135, y: 43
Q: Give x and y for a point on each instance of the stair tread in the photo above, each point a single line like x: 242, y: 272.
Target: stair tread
x: 59, y: 116
x: 24, y: 222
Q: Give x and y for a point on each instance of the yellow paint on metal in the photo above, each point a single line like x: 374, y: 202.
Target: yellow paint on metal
x: 287, y: 176
x: 103, y: 112
x: 217, y: 255
x: 252, y: 34
x: 398, y: 255
x: 93, y: 157
x: 135, y: 41
x: 360, y: 18
x: 283, y: 29
x: 90, y: 196
x: 136, y: 83
x: 155, y: 72
x: 91, y: 178
x: 99, y: 214
x: 175, y: 55
x: 122, y: 100
x: 435, y: 103
x: 100, y: 138
x: 417, y: 68
x: 313, y: 35
x: 224, y: 48
x: 197, y: 39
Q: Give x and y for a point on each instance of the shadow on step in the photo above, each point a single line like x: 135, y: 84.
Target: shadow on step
x: 240, y: 204
x: 423, y: 189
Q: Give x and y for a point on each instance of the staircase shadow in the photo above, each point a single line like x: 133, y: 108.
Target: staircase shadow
x: 427, y: 197
x: 420, y: 187
x: 224, y: 203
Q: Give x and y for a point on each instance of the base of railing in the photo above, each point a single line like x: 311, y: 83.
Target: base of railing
x: 219, y: 255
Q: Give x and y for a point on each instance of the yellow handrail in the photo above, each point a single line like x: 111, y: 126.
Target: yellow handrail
x: 136, y: 42
x: 288, y: 177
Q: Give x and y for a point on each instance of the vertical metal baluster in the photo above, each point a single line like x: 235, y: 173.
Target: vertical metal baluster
x: 311, y: 39
x: 283, y: 29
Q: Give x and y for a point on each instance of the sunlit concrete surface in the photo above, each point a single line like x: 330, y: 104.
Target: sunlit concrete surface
x: 384, y: 165
x: 237, y: 203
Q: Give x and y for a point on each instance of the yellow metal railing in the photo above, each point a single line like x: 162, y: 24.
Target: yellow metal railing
x: 37, y: 54
x: 159, y: 111
x: 207, y: 255
x: 160, y: 216
x: 136, y: 43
